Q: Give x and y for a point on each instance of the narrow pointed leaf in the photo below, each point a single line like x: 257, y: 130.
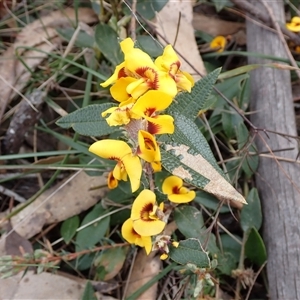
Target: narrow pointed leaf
x: 255, y: 249
x: 251, y: 214
x: 191, y: 159
x: 88, y: 120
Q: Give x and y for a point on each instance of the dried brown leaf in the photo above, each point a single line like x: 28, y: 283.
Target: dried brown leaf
x: 144, y: 269
x: 73, y: 198
x: 42, y: 286
x: 166, y: 24
x: 16, y: 244
x: 215, y: 26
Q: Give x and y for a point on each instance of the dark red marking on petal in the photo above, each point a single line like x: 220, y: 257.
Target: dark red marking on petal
x: 150, y: 111
x: 146, y: 210
x: 176, y: 190
x: 150, y: 75
x: 153, y: 128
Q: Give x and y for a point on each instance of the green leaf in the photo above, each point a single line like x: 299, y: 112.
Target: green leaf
x: 108, y: 43
x: 110, y: 262
x: 88, y: 120
x: 189, y: 104
x: 147, y: 8
x: 189, y: 157
x: 251, y: 214
x: 255, y: 249
x: 68, y: 228
x: 231, y: 121
x: 211, y: 202
x: 232, y: 246
x: 231, y: 88
x: 187, y: 133
x: 226, y: 263
x: 83, y: 39
x: 190, y: 223
x: 250, y: 162
x: 190, y: 251
x: 149, y: 45
x: 89, y: 293
x: 91, y: 235
x: 242, y: 135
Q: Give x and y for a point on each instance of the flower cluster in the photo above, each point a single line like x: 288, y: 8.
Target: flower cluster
x: 143, y: 89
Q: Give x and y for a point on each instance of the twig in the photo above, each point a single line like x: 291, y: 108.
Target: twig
x: 12, y: 194
x: 132, y: 21
x: 254, y: 280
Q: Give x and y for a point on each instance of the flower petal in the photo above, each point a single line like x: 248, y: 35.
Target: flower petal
x: 294, y: 25
x: 171, y: 184
x: 112, y: 182
x: 148, y: 148
x: 118, y: 90
x: 156, y: 166
x: 218, y: 43
x: 146, y: 197
x: 142, y: 208
x: 114, y: 76
x: 184, y: 81
x: 147, y: 242
x: 110, y: 149
x: 182, y: 198
x: 133, y: 168
x: 161, y: 124
x: 151, y: 227
x: 127, y: 45
x: 167, y: 84
x: 151, y: 102
x: 129, y: 234
x: 132, y: 237
x: 136, y: 60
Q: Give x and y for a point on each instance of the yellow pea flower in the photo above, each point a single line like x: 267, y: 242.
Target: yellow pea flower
x: 146, y: 214
x: 141, y: 75
x: 127, y: 163
x: 148, y: 149
x: 294, y: 25
x: 218, y: 43
x: 132, y: 237
x: 177, y: 193
x: 148, y: 105
x: 169, y: 63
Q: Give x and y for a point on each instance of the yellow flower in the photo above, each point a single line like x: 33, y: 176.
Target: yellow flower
x: 127, y: 163
x: 147, y: 106
x: 146, y: 214
x: 294, y: 26
x: 141, y: 75
x: 177, y: 193
x: 132, y: 237
x: 170, y: 64
x: 218, y: 43
x: 120, y: 115
x: 148, y: 149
